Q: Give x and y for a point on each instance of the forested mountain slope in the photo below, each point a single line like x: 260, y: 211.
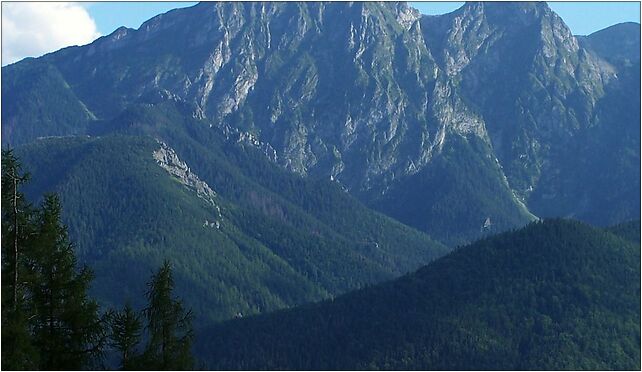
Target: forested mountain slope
x: 244, y: 235
x: 556, y: 294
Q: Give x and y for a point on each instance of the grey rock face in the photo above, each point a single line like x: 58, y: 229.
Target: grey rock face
x: 167, y: 159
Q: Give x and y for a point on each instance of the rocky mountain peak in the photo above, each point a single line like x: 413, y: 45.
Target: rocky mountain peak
x: 406, y: 15
x: 515, y: 13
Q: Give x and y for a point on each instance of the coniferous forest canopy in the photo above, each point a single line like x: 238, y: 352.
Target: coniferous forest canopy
x: 307, y: 185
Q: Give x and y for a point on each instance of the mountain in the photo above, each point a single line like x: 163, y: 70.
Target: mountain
x: 285, y: 153
x: 243, y: 234
x: 303, y: 117
x: 619, y: 44
x: 546, y: 103
x: 459, y: 125
x: 554, y: 295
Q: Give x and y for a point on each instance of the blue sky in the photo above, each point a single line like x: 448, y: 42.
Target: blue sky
x: 582, y: 17
x: 111, y: 15
x: 30, y: 29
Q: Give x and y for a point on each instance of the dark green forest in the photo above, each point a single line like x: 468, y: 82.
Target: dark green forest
x: 556, y: 294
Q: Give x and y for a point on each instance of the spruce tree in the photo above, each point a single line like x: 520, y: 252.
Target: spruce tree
x: 126, y: 330
x: 67, y: 328
x: 18, y: 351
x: 169, y: 325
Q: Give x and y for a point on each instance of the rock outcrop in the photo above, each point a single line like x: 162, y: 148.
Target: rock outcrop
x: 167, y: 159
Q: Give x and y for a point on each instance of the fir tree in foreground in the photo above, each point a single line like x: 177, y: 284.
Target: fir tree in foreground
x: 126, y: 332
x: 169, y: 325
x: 68, y: 329
x: 18, y: 351
x: 169, y: 329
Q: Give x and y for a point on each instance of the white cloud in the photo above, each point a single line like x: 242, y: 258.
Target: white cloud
x: 31, y: 29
